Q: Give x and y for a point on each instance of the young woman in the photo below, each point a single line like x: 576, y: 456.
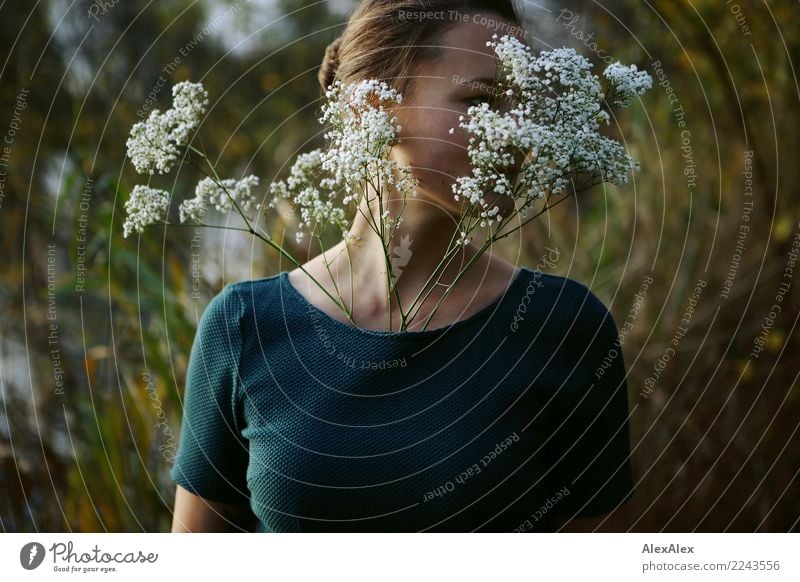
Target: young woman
x: 297, y: 420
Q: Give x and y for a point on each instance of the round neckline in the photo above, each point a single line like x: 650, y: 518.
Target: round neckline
x: 475, y: 317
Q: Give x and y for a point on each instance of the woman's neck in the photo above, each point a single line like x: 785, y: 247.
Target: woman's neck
x: 358, y: 270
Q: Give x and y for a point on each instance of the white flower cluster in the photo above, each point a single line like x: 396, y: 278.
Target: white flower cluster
x: 554, y: 109
x: 145, y: 206
x: 361, y: 136
x: 154, y: 144
x: 300, y: 188
x: 627, y: 82
x: 221, y: 195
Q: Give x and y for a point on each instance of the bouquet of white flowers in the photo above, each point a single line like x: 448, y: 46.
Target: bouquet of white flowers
x: 541, y: 130
x: 556, y: 107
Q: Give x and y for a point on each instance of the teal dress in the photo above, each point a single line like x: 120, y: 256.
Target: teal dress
x: 495, y: 423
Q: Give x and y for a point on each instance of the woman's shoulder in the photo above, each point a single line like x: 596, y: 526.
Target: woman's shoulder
x: 254, y: 293
x: 586, y: 318
x: 574, y: 301
x: 260, y: 299
x: 223, y: 308
x: 576, y: 294
x: 254, y: 287
x: 227, y: 307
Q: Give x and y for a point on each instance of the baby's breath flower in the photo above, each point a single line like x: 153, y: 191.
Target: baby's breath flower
x: 324, y: 182
x: 154, y: 144
x: 308, y: 190
x: 144, y: 207
x: 554, y: 115
x: 627, y: 82
x: 463, y: 240
x: 362, y: 134
x: 219, y: 195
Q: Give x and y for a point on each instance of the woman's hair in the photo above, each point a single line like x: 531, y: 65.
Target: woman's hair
x: 385, y: 39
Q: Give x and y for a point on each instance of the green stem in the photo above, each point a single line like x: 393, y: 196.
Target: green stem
x: 450, y: 249
x: 482, y: 250
x: 392, y: 288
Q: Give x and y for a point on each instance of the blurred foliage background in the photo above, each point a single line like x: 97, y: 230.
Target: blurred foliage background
x: 715, y: 444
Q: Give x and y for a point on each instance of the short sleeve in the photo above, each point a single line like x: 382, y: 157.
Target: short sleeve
x: 212, y: 455
x: 589, y: 450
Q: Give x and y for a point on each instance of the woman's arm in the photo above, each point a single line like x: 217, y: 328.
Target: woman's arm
x: 194, y: 514
x: 210, y: 468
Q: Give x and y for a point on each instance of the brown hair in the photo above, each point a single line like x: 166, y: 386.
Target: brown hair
x: 385, y: 39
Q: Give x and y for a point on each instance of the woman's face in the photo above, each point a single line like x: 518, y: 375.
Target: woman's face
x: 444, y: 88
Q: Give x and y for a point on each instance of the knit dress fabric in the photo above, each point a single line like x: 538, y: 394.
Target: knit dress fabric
x: 495, y: 423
